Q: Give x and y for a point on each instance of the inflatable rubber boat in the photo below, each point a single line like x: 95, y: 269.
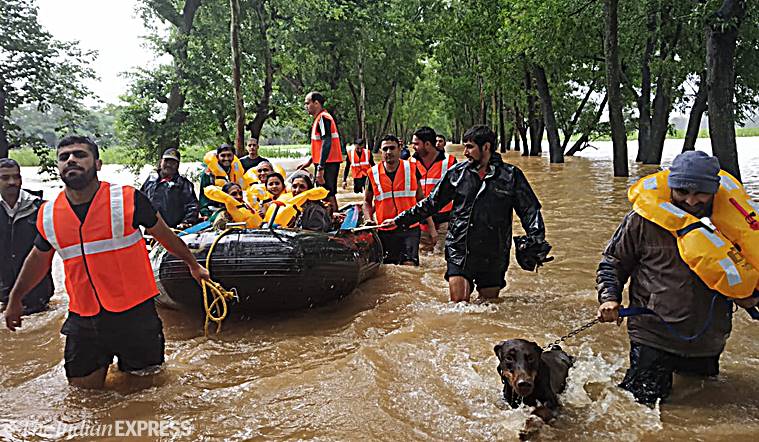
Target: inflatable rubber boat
x: 272, y: 269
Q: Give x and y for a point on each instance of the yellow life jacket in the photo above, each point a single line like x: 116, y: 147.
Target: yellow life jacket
x: 255, y: 195
x: 251, y: 176
x: 288, y: 207
x: 722, y: 250
x: 239, y: 212
x: 236, y: 171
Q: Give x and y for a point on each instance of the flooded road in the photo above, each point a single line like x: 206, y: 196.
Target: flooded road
x: 396, y: 360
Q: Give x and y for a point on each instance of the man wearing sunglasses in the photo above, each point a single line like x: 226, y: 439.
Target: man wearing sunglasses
x: 394, y: 187
x: 485, y: 192
x: 95, y: 227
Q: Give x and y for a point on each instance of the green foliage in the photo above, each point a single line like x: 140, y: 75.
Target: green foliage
x: 40, y: 71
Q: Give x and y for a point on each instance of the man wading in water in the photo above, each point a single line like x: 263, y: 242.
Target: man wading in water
x: 485, y: 192
x: 95, y: 228
x: 661, y: 281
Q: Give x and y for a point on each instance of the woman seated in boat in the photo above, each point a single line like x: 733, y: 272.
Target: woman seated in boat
x: 236, y: 210
x: 313, y: 215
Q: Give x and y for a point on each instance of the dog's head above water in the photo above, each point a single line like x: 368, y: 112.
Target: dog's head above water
x: 519, y: 361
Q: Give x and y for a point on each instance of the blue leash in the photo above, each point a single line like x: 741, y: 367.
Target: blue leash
x: 626, y: 312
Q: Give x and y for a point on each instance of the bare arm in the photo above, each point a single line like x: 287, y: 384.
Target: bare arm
x: 178, y: 248
x: 35, y: 267
x: 368, y: 204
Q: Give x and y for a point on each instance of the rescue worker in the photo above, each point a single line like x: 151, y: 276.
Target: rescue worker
x: 432, y: 164
x: 326, y: 154
x: 17, y: 233
x: 225, y: 155
x: 94, y: 227
x: 358, y: 162
x: 394, y: 187
x: 440, y: 142
x: 647, y: 255
x: 252, y: 159
x: 485, y: 192
x: 171, y: 193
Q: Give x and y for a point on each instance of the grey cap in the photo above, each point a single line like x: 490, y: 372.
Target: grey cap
x: 171, y: 154
x: 695, y: 171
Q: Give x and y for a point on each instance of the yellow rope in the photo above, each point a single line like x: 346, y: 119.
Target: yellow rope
x: 216, y: 310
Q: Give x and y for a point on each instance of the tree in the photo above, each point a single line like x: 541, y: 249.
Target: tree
x: 720, y: 66
x: 38, y: 70
x: 234, y: 31
x: 613, y: 73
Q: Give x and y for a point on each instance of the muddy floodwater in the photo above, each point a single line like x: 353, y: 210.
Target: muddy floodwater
x: 396, y: 361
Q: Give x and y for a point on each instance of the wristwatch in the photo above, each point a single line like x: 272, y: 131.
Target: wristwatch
x: 319, y: 167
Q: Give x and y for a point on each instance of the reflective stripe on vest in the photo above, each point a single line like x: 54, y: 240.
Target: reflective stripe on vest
x: 105, y: 260
x: 335, y: 154
x: 116, y: 242
x: 405, y: 193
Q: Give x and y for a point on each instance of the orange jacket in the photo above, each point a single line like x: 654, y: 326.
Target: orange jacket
x: 335, y: 154
x: 104, y: 258
x: 390, y: 199
x: 360, y: 166
x: 433, y: 175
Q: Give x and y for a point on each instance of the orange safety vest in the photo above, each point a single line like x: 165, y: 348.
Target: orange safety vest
x: 335, y: 155
x: 104, y: 258
x: 359, y: 166
x: 390, y: 199
x: 433, y: 175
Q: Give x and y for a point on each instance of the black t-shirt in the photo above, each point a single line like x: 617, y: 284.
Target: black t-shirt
x: 144, y: 215
x: 248, y: 163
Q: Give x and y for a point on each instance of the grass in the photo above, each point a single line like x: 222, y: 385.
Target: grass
x: 680, y: 134
x: 119, y: 154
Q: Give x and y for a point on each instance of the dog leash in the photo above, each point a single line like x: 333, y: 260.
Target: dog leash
x: 574, y: 332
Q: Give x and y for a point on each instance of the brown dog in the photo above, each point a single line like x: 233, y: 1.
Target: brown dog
x: 531, y: 375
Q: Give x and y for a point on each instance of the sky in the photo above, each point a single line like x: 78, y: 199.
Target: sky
x: 108, y: 26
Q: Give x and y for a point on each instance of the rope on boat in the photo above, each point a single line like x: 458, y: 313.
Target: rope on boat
x: 214, y: 294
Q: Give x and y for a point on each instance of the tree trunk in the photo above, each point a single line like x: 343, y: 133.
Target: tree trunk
x: 4, y: 143
x: 234, y: 32
x: 533, y: 119
x: 389, y: 107
x: 482, y: 117
x: 570, y: 130
x: 613, y: 73
x: 556, y: 154
x: 644, y: 100
x: 696, y: 113
x: 585, y: 137
x: 362, y: 95
x: 720, y: 62
x: 263, y: 112
x: 660, y: 120
x: 502, y: 123
x: 521, y: 131
x: 175, y: 113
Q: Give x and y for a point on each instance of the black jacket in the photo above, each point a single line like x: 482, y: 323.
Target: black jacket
x: 175, y: 199
x: 480, y: 224
x: 17, y: 236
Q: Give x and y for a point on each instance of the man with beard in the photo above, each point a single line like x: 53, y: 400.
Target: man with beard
x: 394, y: 186
x: 171, y: 193
x: 440, y: 142
x: 432, y: 163
x: 485, y: 192
x: 252, y: 159
x: 94, y: 226
x: 18, y: 214
x: 225, y: 154
x: 660, y: 280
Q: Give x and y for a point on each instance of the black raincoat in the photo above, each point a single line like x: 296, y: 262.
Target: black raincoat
x: 480, y: 224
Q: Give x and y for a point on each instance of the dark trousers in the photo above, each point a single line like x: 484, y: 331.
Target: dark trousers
x: 358, y: 184
x: 650, y: 374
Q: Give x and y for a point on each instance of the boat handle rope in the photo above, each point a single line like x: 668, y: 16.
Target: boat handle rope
x: 216, y: 309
